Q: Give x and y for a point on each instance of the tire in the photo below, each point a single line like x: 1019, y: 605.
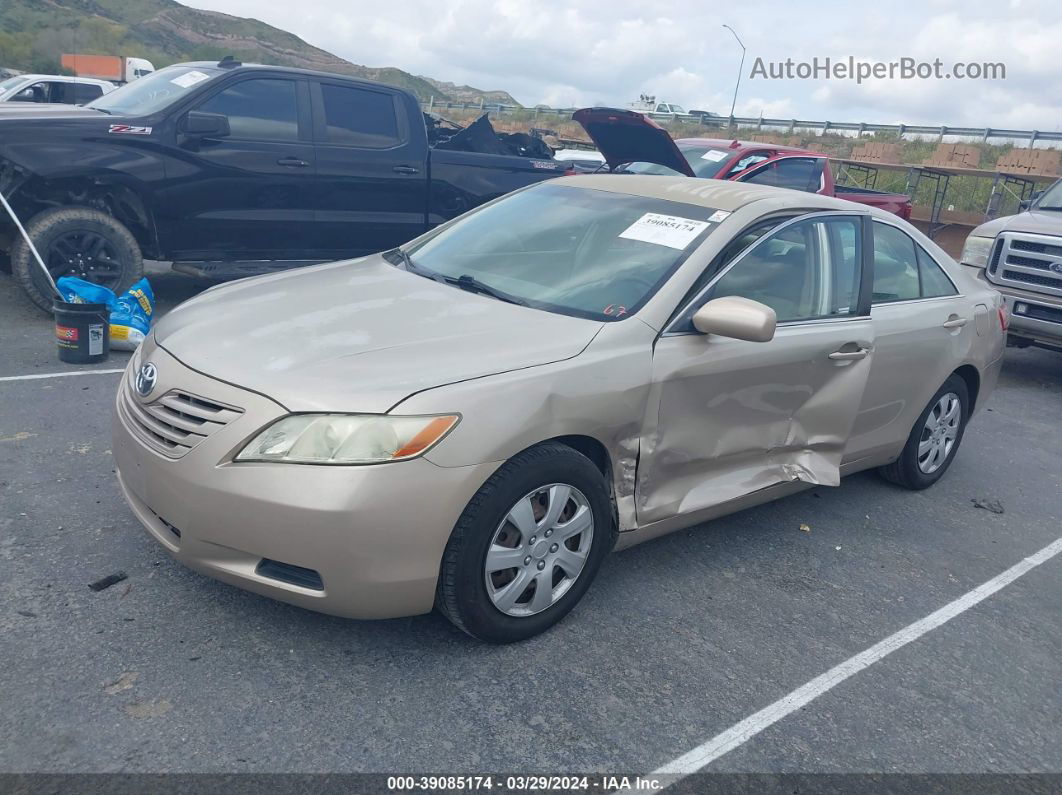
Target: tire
x: 58, y: 233
x: 916, y: 471
x: 462, y: 594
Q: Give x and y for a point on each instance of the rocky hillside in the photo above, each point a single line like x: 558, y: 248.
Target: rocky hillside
x: 33, y: 34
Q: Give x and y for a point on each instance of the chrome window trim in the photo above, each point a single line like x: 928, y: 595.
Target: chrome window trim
x: 671, y: 331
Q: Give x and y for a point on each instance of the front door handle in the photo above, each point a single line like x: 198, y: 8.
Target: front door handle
x: 849, y: 356
x: 955, y: 322
x: 292, y: 161
x: 405, y: 170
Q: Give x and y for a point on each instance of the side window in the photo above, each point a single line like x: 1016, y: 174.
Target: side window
x: 903, y: 270
x: 796, y: 173
x: 935, y: 282
x: 261, y: 109
x: 803, y: 271
x: 359, y: 117
x: 38, y: 92
x: 84, y: 92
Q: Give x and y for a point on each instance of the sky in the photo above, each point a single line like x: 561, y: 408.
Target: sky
x: 594, y: 52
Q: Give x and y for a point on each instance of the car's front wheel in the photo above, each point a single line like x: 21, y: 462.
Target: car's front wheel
x: 935, y: 438
x: 527, y: 546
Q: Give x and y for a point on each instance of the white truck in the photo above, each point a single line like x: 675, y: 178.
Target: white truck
x: 647, y: 104
x: 116, y: 68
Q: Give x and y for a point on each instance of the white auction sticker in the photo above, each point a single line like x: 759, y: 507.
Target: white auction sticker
x: 189, y: 79
x: 715, y: 155
x: 718, y: 215
x: 664, y: 230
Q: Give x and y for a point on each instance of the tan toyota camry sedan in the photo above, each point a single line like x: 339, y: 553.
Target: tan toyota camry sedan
x: 474, y: 420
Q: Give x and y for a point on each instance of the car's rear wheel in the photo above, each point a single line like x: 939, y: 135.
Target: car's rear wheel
x: 528, y: 545
x: 75, y: 241
x: 935, y: 438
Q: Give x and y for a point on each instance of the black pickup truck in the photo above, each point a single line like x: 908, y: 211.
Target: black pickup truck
x: 228, y: 169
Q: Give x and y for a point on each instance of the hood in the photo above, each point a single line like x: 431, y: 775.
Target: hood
x: 47, y: 110
x: 1038, y: 222
x: 624, y: 136
x: 359, y: 335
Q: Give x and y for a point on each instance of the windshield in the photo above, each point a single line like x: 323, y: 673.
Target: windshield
x: 704, y: 160
x: 11, y: 82
x: 576, y: 251
x: 1051, y: 198
x: 154, y: 91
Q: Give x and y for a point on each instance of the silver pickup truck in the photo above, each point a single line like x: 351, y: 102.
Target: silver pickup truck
x: 1021, y: 256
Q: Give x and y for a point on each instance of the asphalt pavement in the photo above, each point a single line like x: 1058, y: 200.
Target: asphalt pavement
x: 678, y: 639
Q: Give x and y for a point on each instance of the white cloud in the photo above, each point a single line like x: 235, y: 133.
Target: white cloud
x: 593, y: 51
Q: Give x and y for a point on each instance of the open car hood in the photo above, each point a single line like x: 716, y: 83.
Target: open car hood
x: 624, y: 136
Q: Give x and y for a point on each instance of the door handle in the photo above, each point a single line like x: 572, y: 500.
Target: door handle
x: 955, y: 322
x: 292, y: 161
x: 849, y: 356
x: 405, y: 170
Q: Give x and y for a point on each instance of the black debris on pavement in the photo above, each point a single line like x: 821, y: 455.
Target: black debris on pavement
x: 108, y: 581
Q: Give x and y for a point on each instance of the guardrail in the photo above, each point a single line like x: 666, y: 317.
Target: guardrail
x: 787, y: 125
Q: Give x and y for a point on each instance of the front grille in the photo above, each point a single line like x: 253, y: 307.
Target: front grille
x: 290, y: 573
x: 174, y: 423
x: 1027, y: 261
x: 1029, y: 278
x: 1036, y: 248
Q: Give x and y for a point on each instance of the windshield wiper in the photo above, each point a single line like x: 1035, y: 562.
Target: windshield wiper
x: 1048, y: 207
x: 473, y: 285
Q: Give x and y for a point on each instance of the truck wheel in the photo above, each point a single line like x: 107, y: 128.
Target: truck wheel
x: 527, y: 546
x: 75, y: 241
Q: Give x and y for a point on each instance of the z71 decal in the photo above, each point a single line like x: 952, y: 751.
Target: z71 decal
x: 128, y: 129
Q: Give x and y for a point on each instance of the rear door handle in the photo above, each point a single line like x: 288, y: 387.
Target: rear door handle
x: 955, y: 322
x: 849, y: 356
x: 405, y: 170
x: 292, y: 161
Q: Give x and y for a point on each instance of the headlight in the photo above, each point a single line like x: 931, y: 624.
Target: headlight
x: 346, y: 438
x: 976, y: 250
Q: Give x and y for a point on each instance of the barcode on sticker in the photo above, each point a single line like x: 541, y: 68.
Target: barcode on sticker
x: 664, y: 230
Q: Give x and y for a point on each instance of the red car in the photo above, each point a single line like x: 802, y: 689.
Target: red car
x: 640, y: 145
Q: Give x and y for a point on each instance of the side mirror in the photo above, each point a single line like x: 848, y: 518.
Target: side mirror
x: 1025, y: 204
x: 738, y: 318
x: 204, y: 125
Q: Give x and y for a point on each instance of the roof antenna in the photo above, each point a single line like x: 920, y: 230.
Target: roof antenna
x: 228, y: 62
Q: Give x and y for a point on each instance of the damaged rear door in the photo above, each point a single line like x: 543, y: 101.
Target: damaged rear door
x: 728, y: 417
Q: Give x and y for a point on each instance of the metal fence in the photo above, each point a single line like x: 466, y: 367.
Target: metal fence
x: 984, y: 134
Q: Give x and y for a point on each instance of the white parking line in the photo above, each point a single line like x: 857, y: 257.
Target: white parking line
x: 35, y: 376
x: 742, y: 732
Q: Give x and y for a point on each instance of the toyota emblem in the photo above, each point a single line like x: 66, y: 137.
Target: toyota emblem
x: 146, y: 378
x: 1056, y: 267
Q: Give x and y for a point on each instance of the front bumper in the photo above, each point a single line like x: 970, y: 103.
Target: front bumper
x: 374, y: 534
x: 1040, y: 322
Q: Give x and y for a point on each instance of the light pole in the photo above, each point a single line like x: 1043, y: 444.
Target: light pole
x: 741, y: 68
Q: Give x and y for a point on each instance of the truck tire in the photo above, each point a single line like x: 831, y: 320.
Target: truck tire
x: 76, y: 241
